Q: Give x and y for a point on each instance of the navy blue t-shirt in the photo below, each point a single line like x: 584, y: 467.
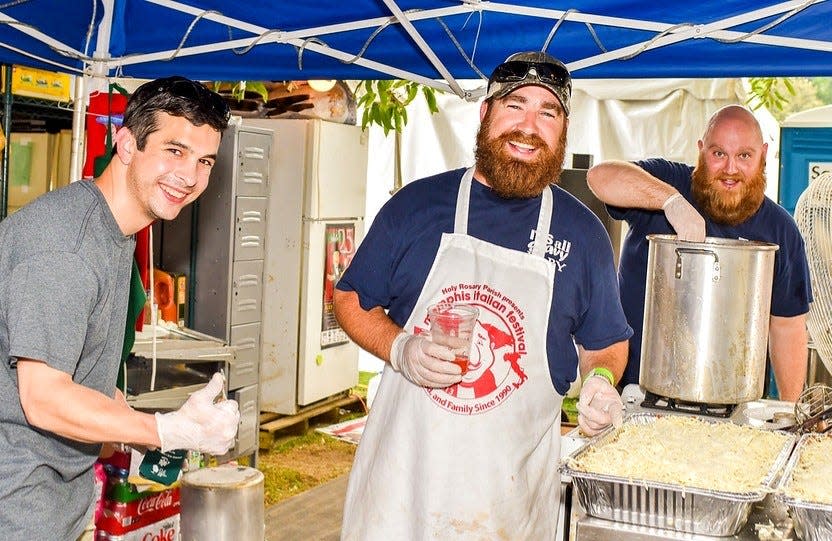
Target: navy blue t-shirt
x: 791, y: 292
x: 393, y: 261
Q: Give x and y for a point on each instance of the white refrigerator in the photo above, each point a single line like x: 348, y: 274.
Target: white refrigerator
x: 315, y: 220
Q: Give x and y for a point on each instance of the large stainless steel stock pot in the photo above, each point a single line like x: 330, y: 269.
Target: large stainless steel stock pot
x: 706, y: 319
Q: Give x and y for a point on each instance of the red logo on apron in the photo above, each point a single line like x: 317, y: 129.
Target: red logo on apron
x: 497, y: 353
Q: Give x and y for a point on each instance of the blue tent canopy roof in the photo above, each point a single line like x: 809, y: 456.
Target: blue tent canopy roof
x: 432, y: 41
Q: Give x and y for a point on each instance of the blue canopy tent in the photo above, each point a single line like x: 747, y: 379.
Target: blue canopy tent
x: 435, y: 42
x: 432, y: 41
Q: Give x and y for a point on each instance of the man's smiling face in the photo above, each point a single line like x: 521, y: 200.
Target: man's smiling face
x: 521, y: 142
x: 172, y: 169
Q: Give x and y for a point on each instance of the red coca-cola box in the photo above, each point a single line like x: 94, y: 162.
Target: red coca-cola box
x: 152, y: 517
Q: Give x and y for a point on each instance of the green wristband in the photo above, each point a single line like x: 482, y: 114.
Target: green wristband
x: 603, y: 372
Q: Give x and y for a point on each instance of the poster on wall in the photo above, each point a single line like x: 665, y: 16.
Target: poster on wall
x: 340, y: 249
x: 816, y: 169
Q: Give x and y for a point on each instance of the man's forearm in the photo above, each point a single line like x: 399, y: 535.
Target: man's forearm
x: 790, y: 375
x: 372, y: 330
x: 789, y: 354
x: 52, y: 402
x: 613, y: 358
x: 623, y: 184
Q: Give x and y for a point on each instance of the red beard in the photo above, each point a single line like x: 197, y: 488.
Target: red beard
x: 512, y: 178
x: 728, y: 207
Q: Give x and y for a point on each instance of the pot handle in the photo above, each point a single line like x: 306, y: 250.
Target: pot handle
x: 696, y: 251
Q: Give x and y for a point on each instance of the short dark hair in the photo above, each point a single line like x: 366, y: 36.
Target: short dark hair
x: 176, y: 96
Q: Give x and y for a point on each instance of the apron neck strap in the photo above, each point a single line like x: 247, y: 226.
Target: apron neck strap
x: 462, y: 199
x: 544, y: 222
x: 544, y: 219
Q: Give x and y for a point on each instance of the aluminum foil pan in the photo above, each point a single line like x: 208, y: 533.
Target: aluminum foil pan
x: 812, y: 521
x: 662, y: 505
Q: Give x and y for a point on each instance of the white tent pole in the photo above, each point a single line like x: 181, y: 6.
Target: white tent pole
x: 511, y: 9
x: 636, y: 24
x: 38, y: 35
x: 318, y: 30
x: 77, y: 143
x: 97, y: 68
x: 710, y: 30
x: 298, y: 38
x: 61, y: 67
x: 631, y: 49
x: 423, y: 46
x: 102, y: 41
x: 312, y: 46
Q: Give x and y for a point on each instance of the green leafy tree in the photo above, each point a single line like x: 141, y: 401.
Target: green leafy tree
x: 769, y: 92
x: 384, y: 103
x: 239, y: 88
x: 805, y: 97
x: 783, y: 96
x: 824, y: 88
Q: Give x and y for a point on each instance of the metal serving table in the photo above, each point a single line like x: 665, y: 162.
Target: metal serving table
x: 184, y: 362
x: 767, y: 516
x: 161, y: 376
x: 768, y: 520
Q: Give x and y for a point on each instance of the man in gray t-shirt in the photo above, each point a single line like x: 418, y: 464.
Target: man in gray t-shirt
x: 66, y: 260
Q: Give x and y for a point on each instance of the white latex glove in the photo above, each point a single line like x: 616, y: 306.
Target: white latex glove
x: 423, y: 362
x: 686, y: 221
x: 599, y: 406
x: 200, y: 424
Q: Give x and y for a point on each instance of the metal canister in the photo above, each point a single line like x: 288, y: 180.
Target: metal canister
x: 223, y: 503
x: 706, y: 318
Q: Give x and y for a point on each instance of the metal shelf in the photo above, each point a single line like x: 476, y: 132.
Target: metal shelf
x: 42, y: 103
x: 33, y: 108
x: 54, y: 114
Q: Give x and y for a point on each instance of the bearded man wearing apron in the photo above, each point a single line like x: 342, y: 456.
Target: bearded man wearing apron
x: 444, y: 456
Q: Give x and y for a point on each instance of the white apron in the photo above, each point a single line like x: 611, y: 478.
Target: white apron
x: 477, y: 460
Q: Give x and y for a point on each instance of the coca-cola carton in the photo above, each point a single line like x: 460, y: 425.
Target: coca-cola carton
x: 149, y: 517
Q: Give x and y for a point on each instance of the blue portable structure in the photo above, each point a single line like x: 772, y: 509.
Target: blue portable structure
x: 805, y: 152
x: 434, y: 42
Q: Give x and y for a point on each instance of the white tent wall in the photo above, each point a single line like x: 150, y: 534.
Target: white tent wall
x: 610, y: 119
x: 629, y: 120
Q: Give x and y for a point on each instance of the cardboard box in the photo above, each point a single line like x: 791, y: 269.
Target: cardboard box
x: 154, y: 515
x: 181, y: 298
x: 171, y: 295
x: 60, y: 157
x: 38, y: 83
x: 28, y: 167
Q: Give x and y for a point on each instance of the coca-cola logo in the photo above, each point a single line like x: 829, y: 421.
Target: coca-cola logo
x: 161, y: 535
x: 155, y: 503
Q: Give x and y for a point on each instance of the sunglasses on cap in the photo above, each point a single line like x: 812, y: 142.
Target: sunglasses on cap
x: 194, y: 91
x: 518, y: 70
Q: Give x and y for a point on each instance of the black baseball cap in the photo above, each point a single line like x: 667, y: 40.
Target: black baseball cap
x: 531, y: 68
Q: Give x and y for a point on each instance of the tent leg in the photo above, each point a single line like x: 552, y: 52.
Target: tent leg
x: 7, y: 131
x: 77, y: 145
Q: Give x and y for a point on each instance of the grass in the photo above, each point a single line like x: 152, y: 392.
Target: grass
x: 363, y: 381
x: 303, y: 462
x: 297, y: 463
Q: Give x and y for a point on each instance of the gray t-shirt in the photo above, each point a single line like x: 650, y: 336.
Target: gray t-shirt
x: 65, y: 268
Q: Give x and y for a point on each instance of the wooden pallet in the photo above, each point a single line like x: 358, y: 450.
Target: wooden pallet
x: 273, y: 426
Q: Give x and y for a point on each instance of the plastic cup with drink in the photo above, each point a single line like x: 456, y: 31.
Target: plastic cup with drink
x: 452, y: 325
